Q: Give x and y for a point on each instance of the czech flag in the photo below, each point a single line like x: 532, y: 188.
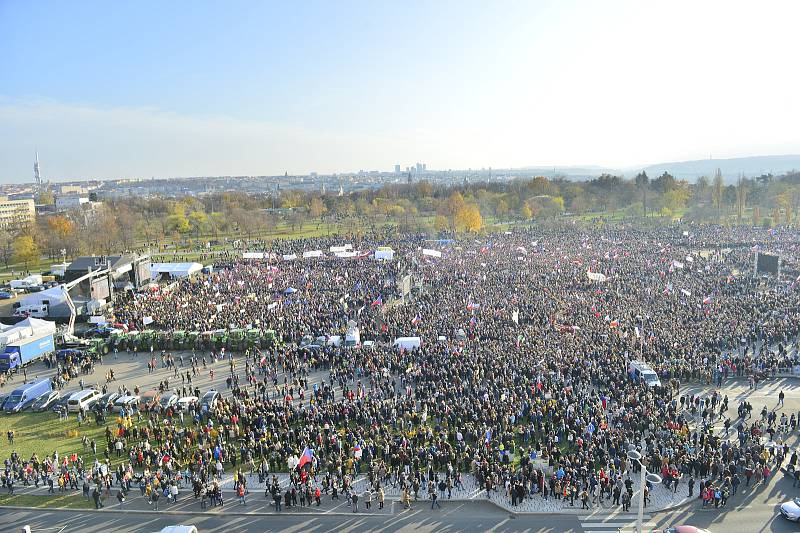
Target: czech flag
x: 707, y: 300
x: 378, y: 301
x: 307, y: 457
x: 416, y: 320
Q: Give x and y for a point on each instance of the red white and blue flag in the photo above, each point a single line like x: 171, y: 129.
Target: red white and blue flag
x: 307, y: 457
x: 416, y: 320
x: 377, y: 301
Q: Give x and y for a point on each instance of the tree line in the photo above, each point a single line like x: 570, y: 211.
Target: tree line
x: 423, y: 206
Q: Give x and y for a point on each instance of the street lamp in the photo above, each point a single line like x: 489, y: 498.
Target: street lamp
x: 633, y: 455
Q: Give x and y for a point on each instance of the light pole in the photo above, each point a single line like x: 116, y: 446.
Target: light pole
x: 633, y: 455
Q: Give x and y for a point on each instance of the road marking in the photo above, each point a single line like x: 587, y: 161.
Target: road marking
x: 614, y: 516
x: 627, y: 523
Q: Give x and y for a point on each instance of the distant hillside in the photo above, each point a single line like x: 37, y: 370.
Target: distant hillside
x: 731, y: 168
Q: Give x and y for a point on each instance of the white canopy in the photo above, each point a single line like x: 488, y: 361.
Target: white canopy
x: 174, y: 270
x: 54, y: 296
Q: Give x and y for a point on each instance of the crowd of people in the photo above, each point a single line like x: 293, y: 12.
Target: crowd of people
x: 523, y: 378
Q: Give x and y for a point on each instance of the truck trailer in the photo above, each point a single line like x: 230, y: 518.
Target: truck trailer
x: 25, y: 351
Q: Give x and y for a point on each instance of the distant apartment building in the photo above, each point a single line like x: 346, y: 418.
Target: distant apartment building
x: 397, y: 169
x: 68, y: 203
x: 72, y: 190
x: 16, y: 212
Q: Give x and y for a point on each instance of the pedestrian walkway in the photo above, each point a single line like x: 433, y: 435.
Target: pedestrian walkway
x: 660, y: 498
x: 622, y: 522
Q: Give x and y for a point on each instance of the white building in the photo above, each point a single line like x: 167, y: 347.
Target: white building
x: 66, y: 203
x: 14, y: 212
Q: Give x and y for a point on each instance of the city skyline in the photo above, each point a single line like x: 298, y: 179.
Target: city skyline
x: 262, y: 89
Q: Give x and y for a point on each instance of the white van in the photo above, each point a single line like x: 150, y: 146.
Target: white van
x: 641, y: 371
x: 36, y: 311
x: 83, y: 399
x: 407, y: 343
x: 179, y: 529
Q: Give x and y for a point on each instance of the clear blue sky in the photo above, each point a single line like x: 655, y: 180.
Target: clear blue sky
x: 204, y: 88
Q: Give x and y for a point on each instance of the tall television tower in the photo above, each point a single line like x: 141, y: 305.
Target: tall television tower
x: 36, y: 174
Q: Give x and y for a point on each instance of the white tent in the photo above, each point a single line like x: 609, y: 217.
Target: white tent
x: 38, y: 326
x: 174, y: 270
x: 52, y: 297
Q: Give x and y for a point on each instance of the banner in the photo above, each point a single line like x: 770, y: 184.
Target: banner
x: 147, y: 320
x: 596, y: 276
x: 432, y: 253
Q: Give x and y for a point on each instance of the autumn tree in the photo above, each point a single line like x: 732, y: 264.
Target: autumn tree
x: 6, y: 247
x: 717, y: 191
x: 317, y: 208
x: 26, y: 250
x: 643, y: 184
x: 468, y: 219
x: 741, y: 198
x: 198, y: 221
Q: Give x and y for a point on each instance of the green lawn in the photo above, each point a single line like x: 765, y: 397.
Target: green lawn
x: 43, y: 433
x: 62, y: 500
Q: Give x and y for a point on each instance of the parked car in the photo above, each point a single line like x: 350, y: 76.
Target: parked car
x: 61, y: 404
x: 100, y: 331
x: 791, y: 510
x: 34, y: 288
x: 107, y: 400
x: 129, y: 403
x: 43, y: 403
x: 168, y: 400
x: 23, y: 396
x: 6, y: 295
x: 148, y: 400
x: 209, y: 399
x: 184, y: 403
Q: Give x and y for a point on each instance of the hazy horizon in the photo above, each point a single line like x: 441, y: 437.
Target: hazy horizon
x: 252, y: 88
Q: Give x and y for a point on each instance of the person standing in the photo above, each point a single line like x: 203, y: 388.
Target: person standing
x: 96, y: 497
x: 434, y: 500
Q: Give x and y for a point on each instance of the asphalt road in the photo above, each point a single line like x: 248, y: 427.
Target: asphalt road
x: 453, y: 517
x: 759, y: 516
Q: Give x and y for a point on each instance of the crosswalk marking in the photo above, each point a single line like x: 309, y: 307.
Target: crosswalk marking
x: 608, y: 522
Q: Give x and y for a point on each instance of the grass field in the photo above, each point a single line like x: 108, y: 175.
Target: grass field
x: 61, y: 500
x: 43, y: 433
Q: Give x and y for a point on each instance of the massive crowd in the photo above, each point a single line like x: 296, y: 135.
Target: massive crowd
x: 522, y: 378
